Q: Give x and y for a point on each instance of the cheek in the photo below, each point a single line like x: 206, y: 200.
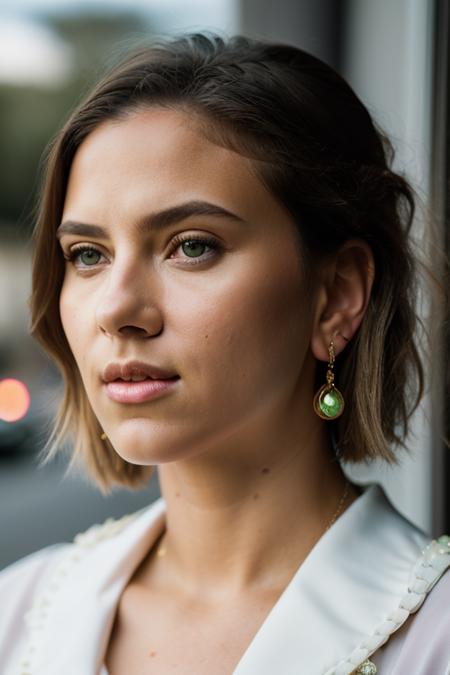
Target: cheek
x: 74, y: 318
x: 266, y: 331
x: 248, y: 333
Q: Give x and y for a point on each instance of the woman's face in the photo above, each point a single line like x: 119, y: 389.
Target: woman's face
x: 217, y: 300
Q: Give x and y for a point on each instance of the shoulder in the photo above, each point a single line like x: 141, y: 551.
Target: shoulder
x: 422, y: 644
x: 19, y: 584
x: 30, y: 586
x: 397, y: 568
x: 19, y: 580
x: 437, y: 604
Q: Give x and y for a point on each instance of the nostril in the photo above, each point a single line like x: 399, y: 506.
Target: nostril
x: 133, y: 331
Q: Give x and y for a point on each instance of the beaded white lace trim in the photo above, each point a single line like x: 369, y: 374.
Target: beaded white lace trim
x: 36, y: 617
x: 427, y: 570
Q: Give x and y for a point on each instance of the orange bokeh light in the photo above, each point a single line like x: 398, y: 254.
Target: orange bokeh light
x: 14, y: 400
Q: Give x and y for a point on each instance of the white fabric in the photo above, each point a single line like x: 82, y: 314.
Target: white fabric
x: 346, y: 598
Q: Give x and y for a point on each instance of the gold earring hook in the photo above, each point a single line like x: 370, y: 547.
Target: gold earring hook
x: 342, y: 336
x: 328, y: 402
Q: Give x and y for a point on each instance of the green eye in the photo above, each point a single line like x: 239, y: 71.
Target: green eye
x: 89, y: 256
x: 193, y: 248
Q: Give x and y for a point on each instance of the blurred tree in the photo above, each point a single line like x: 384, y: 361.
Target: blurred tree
x: 30, y: 115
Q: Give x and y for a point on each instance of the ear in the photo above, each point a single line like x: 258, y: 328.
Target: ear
x: 345, y: 284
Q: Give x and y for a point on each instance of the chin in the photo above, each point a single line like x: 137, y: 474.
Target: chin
x: 144, y: 448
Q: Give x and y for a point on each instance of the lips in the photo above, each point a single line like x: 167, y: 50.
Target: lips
x: 137, y: 381
x: 136, y: 371
x: 139, y: 392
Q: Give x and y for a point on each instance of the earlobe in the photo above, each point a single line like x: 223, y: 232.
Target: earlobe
x: 343, y: 298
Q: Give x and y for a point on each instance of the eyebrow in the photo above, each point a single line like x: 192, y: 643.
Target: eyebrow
x: 153, y: 221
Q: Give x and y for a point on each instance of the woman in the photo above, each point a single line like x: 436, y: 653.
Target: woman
x: 224, y: 275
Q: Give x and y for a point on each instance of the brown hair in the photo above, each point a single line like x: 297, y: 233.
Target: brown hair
x: 317, y: 150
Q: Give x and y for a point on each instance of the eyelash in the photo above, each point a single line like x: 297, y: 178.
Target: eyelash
x: 77, y: 250
x: 212, y: 243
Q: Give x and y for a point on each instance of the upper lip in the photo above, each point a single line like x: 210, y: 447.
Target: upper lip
x: 124, y: 371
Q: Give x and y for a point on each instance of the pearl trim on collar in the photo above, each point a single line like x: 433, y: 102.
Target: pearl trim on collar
x: 427, y: 570
x: 36, y: 617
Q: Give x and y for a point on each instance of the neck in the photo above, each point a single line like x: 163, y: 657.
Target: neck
x: 241, y: 521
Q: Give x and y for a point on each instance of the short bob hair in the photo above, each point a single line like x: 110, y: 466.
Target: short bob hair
x: 318, y: 152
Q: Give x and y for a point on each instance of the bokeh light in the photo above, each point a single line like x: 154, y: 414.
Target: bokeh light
x: 14, y: 400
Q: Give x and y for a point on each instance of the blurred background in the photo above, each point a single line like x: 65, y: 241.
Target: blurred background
x: 394, y: 54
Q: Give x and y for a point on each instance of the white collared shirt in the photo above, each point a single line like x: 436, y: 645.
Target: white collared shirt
x: 355, y: 596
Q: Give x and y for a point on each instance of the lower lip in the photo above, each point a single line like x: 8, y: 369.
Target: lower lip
x: 138, y: 392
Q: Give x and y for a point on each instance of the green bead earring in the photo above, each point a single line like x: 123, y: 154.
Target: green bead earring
x: 328, y: 402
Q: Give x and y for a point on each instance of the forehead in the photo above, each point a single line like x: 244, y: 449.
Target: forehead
x: 156, y: 158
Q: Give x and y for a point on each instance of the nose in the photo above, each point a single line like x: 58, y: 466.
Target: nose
x: 128, y: 305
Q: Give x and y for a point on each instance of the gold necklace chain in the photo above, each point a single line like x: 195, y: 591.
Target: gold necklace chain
x: 341, y: 503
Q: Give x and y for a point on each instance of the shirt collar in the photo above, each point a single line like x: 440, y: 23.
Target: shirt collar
x: 324, y: 622
x: 351, y: 581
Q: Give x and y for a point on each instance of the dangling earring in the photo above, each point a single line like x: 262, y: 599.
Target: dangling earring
x: 103, y: 436
x: 328, y: 402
